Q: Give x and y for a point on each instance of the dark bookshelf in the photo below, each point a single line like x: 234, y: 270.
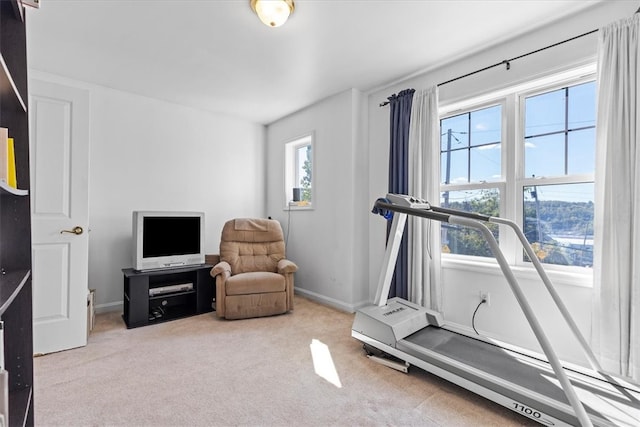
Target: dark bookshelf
x: 15, y: 224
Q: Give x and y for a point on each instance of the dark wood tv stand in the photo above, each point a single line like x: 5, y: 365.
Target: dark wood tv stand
x: 141, y: 308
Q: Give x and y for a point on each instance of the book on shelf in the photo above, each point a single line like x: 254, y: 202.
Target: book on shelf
x: 11, y: 164
x: 4, y: 143
x: 7, y: 159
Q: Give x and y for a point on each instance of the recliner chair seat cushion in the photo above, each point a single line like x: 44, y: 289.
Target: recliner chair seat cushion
x: 255, y: 305
x: 256, y: 282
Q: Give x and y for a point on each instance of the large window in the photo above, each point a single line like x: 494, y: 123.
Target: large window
x: 299, y: 172
x: 529, y: 156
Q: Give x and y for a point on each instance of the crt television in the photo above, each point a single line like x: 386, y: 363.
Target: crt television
x: 167, y: 239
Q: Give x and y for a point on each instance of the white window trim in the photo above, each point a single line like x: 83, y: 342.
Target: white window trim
x: 581, y: 277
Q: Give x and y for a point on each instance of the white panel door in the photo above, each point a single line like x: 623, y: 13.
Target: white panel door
x: 59, y: 138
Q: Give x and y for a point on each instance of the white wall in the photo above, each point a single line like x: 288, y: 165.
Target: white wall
x: 328, y: 242
x: 153, y: 155
x: 462, y: 282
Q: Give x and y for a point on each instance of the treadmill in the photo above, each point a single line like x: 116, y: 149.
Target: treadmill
x: 399, y: 333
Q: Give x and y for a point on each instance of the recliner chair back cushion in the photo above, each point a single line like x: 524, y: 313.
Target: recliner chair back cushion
x: 252, y: 245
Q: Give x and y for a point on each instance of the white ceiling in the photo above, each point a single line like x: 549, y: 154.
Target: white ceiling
x: 217, y: 56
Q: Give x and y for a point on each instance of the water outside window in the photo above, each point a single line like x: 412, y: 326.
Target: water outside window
x: 558, y: 222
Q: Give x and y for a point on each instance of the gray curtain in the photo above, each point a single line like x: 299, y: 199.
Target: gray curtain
x: 400, y: 111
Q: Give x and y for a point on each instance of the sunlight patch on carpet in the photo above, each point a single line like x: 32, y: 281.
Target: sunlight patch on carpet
x: 323, y: 362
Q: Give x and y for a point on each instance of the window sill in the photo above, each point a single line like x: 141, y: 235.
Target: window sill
x: 299, y: 206
x: 583, y: 279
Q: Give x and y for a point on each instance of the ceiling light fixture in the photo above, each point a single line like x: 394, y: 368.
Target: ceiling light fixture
x: 272, y: 13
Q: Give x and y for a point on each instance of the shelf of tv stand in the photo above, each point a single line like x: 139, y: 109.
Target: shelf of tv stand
x: 142, y: 309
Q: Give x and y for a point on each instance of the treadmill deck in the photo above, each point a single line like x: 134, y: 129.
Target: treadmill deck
x: 530, y: 382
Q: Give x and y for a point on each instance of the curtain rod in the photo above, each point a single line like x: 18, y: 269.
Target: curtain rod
x: 507, y: 62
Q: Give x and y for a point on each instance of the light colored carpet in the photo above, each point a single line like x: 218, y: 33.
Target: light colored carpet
x: 203, y: 371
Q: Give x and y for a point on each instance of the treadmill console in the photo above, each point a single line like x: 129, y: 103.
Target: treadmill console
x: 394, y: 321
x: 408, y: 201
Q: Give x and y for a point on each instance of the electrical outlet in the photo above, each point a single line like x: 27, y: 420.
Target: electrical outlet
x: 486, y: 297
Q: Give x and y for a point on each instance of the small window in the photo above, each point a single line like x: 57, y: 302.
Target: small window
x: 299, y: 172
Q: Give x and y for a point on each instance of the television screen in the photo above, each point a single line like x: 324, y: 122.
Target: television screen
x: 170, y: 235
x: 167, y: 239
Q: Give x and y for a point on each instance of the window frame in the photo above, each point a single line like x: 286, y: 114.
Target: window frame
x: 499, y: 184
x: 513, y: 181
x: 521, y: 181
x: 291, y: 171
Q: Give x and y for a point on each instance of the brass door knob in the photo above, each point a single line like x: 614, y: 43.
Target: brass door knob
x: 75, y: 230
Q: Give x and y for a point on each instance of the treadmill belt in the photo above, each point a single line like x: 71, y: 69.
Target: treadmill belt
x: 517, y: 369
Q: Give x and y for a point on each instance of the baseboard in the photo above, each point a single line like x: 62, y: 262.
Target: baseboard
x: 340, y: 305
x: 109, y: 307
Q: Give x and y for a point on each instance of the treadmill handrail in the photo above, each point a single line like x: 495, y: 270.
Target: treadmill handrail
x: 422, y: 212
x: 477, y: 221
x: 552, y: 291
x: 544, y: 342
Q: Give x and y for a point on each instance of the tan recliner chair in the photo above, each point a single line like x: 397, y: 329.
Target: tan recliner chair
x: 253, y: 278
